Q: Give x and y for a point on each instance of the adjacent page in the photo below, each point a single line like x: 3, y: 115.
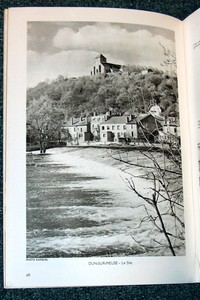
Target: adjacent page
x: 98, y: 185
x: 192, y: 46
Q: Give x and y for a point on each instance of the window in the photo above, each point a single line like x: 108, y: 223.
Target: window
x: 94, y: 70
x: 81, y: 129
x: 124, y: 127
x: 104, y: 135
x: 99, y: 68
x: 108, y: 127
x: 118, y: 127
x: 102, y: 127
x: 113, y: 127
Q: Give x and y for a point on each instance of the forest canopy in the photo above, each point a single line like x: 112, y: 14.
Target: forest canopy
x: 131, y: 91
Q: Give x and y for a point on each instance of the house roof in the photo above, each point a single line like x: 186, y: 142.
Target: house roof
x: 118, y: 120
x: 143, y: 116
x: 132, y: 121
x: 82, y: 123
x: 171, y: 124
x: 77, y: 122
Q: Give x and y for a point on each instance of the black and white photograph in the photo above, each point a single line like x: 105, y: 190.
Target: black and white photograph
x: 103, y: 142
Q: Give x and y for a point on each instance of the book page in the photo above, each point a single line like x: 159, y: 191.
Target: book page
x: 96, y: 138
x: 192, y: 46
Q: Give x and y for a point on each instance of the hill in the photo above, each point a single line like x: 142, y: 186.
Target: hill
x: 132, y: 91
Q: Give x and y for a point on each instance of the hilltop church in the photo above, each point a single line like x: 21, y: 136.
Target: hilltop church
x: 101, y: 66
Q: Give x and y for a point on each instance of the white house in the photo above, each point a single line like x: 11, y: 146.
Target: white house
x: 171, y: 131
x: 95, y: 122
x: 118, y: 127
x: 79, y: 129
x: 155, y: 110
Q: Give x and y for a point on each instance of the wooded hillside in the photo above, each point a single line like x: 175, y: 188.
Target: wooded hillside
x: 127, y: 92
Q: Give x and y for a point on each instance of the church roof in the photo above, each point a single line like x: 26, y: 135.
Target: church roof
x: 111, y: 66
x: 101, y: 57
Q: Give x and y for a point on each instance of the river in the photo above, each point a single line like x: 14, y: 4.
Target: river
x: 80, y: 207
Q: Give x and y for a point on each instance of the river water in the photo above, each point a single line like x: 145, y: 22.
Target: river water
x: 77, y: 208
x: 79, y: 205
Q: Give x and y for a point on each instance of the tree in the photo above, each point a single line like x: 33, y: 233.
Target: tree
x: 163, y: 204
x: 131, y: 91
x: 65, y: 134
x: 44, y: 120
x: 161, y: 201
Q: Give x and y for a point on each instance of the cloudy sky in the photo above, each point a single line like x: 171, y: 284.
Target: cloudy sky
x: 69, y: 48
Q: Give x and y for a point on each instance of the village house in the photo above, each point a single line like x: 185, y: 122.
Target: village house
x: 146, y: 71
x: 151, y: 124
x: 108, y: 128
x: 95, y: 121
x: 171, y: 130
x: 118, y: 128
x: 79, y: 130
x: 101, y: 66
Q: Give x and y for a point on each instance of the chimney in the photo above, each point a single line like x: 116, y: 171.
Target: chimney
x: 108, y: 113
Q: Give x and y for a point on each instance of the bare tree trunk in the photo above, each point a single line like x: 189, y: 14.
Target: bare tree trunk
x: 163, y: 228
x: 164, y: 207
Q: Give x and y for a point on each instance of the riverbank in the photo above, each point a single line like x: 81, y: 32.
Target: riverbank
x: 141, y: 146
x: 105, y: 154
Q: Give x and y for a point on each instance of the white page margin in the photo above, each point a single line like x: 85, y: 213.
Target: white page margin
x: 74, y: 272
x: 192, y: 36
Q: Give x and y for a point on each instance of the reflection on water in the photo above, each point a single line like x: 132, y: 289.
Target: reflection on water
x: 75, y: 212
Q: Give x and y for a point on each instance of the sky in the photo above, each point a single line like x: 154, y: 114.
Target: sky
x: 69, y: 48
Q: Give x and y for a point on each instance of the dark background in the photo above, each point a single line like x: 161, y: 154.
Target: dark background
x: 177, y: 8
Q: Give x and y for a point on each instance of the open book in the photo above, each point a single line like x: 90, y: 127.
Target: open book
x: 101, y: 174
